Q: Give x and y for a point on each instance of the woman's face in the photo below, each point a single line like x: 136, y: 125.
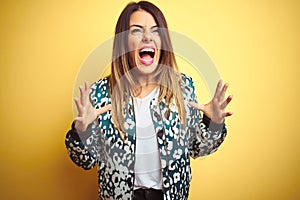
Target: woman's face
x: 144, y: 43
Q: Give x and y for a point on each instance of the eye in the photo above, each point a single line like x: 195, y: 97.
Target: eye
x: 136, y: 31
x: 155, y: 31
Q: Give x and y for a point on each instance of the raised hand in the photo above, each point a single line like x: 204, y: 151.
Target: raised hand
x: 86, y: 112
x: 215, y: 109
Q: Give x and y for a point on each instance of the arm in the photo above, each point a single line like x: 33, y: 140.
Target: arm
x: 83, y: 148
x: 83, y: 141
x: 205, y: 135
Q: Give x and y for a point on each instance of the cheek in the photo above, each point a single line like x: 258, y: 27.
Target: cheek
x: 131, y: 52
x: 130, y: 47
x: 132, y: 44
x: 158, y: 46
x: 157, y: 41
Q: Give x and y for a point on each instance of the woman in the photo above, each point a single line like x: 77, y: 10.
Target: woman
x: 141, y: 124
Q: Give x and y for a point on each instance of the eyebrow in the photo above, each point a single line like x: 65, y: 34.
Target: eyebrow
x: 136, y: 25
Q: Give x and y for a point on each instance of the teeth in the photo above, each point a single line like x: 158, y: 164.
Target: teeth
x: 147, y: 49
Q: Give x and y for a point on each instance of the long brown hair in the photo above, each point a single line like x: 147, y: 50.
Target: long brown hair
x: 122, y: 81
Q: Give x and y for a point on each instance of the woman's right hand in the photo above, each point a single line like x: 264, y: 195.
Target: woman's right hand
x: 86, y: 112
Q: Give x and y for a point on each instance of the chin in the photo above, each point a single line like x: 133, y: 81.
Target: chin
x: 147, y: 69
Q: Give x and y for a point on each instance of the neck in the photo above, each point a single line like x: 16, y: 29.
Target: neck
x: 144, y: 89
x: 145, y: 79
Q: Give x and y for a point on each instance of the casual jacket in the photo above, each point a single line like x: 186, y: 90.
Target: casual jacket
x: 102, y: 145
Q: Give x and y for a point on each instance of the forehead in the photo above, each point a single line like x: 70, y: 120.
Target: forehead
x: 143, y: 18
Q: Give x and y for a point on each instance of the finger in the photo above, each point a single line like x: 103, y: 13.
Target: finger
x: 103, y: 109
x: 83, y: 95
x: 78, y: 105
x: 227, y: 114
x: 86, y: 85
x: 223, y: 91
x: 87, y: 88
x: 79, y: 119
x: 226, y: 102
x: 86, y: 91
x: 197, y: 106
x: 218, y: 89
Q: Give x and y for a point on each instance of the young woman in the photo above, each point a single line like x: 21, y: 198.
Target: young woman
x: 141, y: 124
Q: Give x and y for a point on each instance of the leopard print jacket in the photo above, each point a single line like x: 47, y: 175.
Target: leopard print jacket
x: 102, y: 145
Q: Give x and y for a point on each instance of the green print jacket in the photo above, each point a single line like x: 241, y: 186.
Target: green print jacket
x: 102, y: 145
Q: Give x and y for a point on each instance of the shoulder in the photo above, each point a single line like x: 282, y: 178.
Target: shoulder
x: 99, y: 92
x: 186, y: 82
x: 103, y: 82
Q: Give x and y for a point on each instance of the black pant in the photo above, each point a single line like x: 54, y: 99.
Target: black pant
x: 148, y: 194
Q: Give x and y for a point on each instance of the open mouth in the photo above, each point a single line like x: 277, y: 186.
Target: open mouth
x: 146, y: 55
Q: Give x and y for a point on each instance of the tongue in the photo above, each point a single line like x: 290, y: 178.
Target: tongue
x: 146, y: 57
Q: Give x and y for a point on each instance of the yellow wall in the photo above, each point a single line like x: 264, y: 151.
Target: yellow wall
x: 255, y: 45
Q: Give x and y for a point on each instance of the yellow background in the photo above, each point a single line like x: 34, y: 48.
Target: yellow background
x: 254, y: 44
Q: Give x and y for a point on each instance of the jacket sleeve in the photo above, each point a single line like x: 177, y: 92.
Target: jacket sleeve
x: 85, y: 148
x: 204, y: 136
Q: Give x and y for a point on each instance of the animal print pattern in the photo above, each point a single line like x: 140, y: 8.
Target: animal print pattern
x: 102, y: 145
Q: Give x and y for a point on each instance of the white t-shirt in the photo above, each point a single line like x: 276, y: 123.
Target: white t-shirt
x: 147, y: 156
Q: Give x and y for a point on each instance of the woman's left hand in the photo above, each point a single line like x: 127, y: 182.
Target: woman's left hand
x: 215, y: 109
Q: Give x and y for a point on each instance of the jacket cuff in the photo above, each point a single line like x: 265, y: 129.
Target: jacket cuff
x: 82, y: 135
x: 212, y: 125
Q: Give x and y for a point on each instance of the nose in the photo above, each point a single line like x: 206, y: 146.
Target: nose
x: 147, y: 37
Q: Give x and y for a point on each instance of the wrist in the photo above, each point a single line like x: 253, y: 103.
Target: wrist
x: 217, y: 121
x: 80, y: 135
x: 78, y: 127
x: 211, y: 124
